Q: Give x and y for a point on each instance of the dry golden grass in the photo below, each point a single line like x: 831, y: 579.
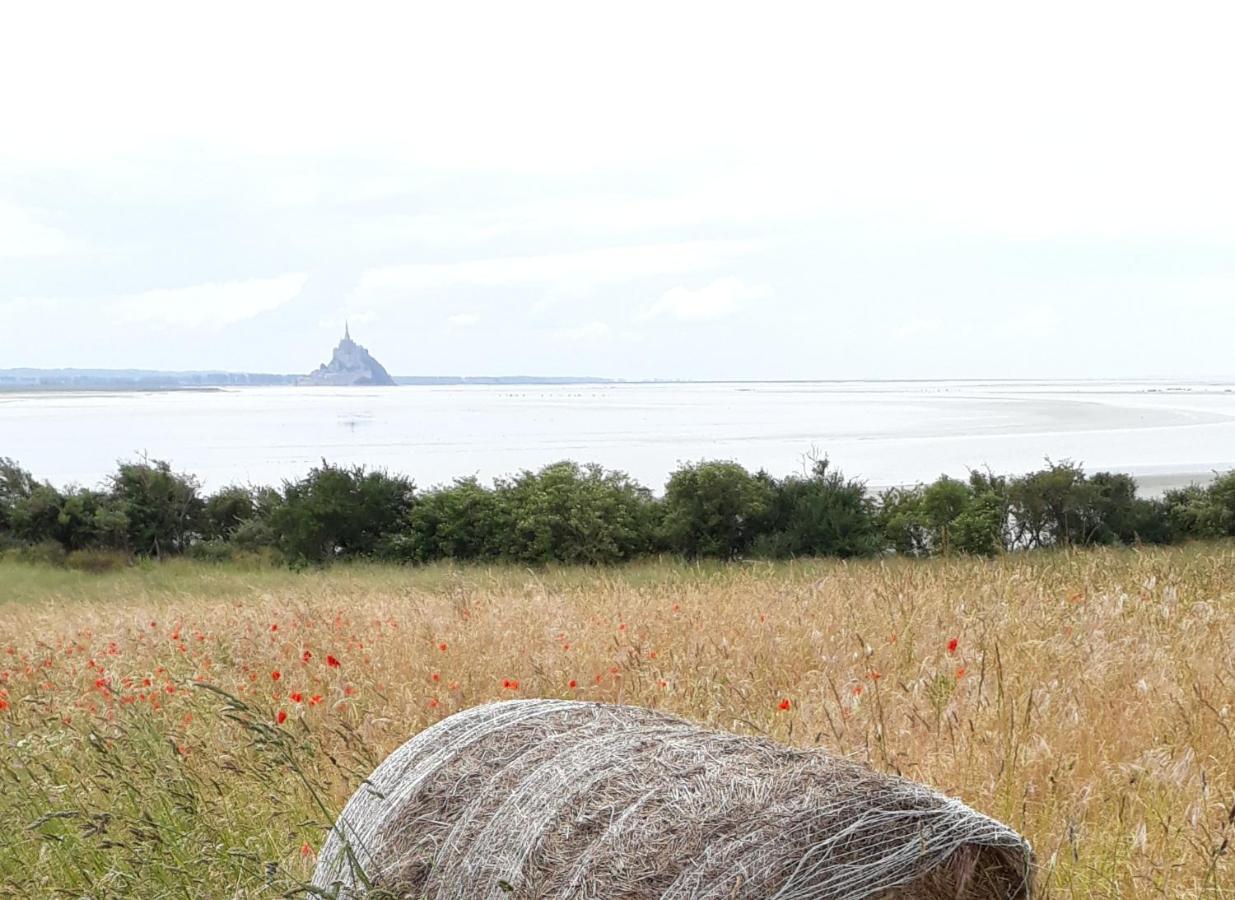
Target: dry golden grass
x: 1087, y: 700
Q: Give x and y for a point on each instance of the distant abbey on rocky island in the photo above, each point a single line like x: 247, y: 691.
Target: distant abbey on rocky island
x: 351, y: 365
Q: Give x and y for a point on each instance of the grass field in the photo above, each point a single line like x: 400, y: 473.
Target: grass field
x: 189, y: 731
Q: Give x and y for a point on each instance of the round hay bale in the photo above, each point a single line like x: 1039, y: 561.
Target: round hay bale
x: 558, y: 799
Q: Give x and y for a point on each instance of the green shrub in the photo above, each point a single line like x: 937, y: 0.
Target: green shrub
x: 1202, y: 512
x: 162, y: 508
x: 97, y: 562
x: 35, y: 518
x: 714, y: 509
x: 16, y: 484
x: 901, y: 522
x: 212, y: 551
x: 822, y: 514
x: 46, y: 553
x: 92, y: 520
x: 339, y: 512
x: 463, y: 521
x: 226, y: 510
x: 574, y: 514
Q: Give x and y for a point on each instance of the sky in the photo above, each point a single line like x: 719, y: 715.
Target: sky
x: 635, y: 190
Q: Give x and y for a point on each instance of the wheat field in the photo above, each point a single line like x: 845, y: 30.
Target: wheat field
x: 185, y: 730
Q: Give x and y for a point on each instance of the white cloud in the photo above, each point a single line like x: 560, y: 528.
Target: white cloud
x: 919, y: 327
x: 583, y: 269
x: 353, y: 317
x: 210, y: 306
x: 592, y: 331
x: 721, y: 298
x: 22, y: 235
x: 463, y: 320
x: 1030, y: 322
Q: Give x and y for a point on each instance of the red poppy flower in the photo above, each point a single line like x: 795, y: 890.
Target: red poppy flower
x: 276, y: 675
x: 281, y: 717
x: 296, y: 696
x: 785, y: 705
x: 332, y: 662
x: 572, y: 684
x: 306, y: 656
x: 952, y: 645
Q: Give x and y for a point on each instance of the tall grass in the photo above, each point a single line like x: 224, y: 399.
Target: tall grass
x: 149, y: 750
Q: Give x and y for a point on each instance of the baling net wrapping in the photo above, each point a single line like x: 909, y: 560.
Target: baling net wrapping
x: 561, y: 799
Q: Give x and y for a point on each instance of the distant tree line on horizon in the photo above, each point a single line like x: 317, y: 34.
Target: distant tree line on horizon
x: 572, y: 513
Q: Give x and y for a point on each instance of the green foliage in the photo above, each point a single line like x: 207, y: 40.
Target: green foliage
x: 97, y: 562
x: 572, y: 514
x: 16, y: 484
x: 1051, y: 506
x: 947, y: 516
x: 900, y: 520
x: 1222, y: 498
x: 822, y: 514
x: 163, y: 508
x: 213, y: 550
x: 981, y: 527
x: 463, y: 521
x: 1062, y: 506
x: 339, y: 512
x: 47, y: 553
x: 1199, y: 512
x: 35, y: 518
x: 714, y: 509
x: 92, y: 520
x: 224, y: 512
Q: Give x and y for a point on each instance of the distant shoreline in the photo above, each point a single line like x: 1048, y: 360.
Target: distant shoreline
x: 25, y: 380
x: 141, y: 380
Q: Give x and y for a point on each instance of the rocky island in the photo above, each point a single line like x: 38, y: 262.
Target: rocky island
x: 351, y: 365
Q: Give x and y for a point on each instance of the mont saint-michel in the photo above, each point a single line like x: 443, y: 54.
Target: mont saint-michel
x: 351, y: 365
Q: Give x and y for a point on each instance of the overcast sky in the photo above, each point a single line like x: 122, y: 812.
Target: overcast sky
x: 652, y: 190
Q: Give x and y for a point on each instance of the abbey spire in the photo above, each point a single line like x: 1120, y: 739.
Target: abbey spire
x: 351, y: 365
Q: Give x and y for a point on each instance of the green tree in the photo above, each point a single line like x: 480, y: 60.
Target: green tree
x: 163, y: 507
x: 575, y: 514
x: 1053, y: 506
x: 902, y: 522
x: 16, y: 485
x: 463, y: 521
x: 90, y: 520
x: 821, y: 514
x: 340, y: 512
x: 35, y: 518
x: 225, y: 510
x: 1222, y: 496
x: 1202, y: 512
x: 714, y: 509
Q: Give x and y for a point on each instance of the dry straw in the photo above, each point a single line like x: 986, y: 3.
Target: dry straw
x: 557, y: 799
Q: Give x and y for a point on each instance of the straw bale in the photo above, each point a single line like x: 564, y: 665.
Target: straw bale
x: 554, y: 799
